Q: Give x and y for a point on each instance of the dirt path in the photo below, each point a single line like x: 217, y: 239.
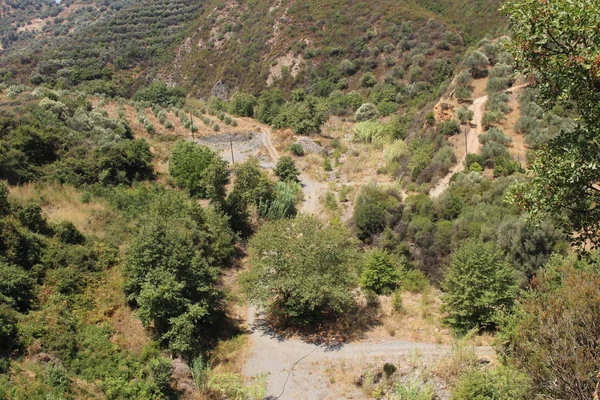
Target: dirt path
x: 473, y: 145
x: 296, y: 370
x: 310, y: 187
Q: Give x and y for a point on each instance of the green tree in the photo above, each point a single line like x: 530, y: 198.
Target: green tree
x: 379, y: 273
x: 301, y: 269
x: 198, y: 169
x: 286, y: 169
x: 171, y: 271
x: 159, y: 93
x: 375, y: 208
x: 477, y: 285
x: 242, y: 104
x: 558, y: 44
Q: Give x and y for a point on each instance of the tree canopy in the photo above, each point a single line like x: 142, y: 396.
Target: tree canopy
x: 557, y: 44
x: 301, y: 269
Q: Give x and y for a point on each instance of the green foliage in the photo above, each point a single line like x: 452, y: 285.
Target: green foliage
x: 368, y: 80
x: 4, y: 204
x: 297, y: 149
x: 269, y: 104
x: 379, y: 272
x: 301, y: 269
x: 554, y: 336
x: 450, y: 127
x: 557, y: 43
x: 302, y: 117
x: 160, y: 371
x: 465, y: 115
x: 16, y: 287
x: 171, y: 271
x: 66, y: 232
x: 242, y: 104
x: 477, y: 285
x: 198, y: 169
x: 159, y: 93
x: 397, y: 305
x: 366, y: 112
x: 413, y: 390
x: 286, y: 169
x: 500, y: 383
x: 284, y: 203
x: 375, y: 208
x: 369, y: 131
x: 477, y: 62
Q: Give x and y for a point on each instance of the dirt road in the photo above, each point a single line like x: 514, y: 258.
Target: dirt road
x: 296, y: 370
x: 473, y: 145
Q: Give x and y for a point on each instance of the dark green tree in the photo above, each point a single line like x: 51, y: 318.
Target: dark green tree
x: 478, y: 284
x: 286, y: 169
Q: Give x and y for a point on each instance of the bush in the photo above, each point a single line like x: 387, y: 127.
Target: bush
x: 366, y: 112
x: 477, y: 62
x: 347, y: 67
x: 379, y: 273
x: 368, y: 131
x: 374, y: 209
x: 368, y: 80
x: 495, y: 135
x: 242, y: 104
x: 501, y: 383
x: 160, y: 371
x: 451, y: 127
x: 198, y: 169
x: 414, y: 281
x: 490, y: 118
x: 297, y: 149
x: 159, y: 93
x: 67, y: 233
x: 397, y: 305
x: 387, y: 108
x: 413, y: 390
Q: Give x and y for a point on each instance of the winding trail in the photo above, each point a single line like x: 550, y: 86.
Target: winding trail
x: 310, y: 187
x: 473, y: 145
x: 297, y: 370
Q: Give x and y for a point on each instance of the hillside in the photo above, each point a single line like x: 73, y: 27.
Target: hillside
x: 219, y: 47
x: 289, y: 199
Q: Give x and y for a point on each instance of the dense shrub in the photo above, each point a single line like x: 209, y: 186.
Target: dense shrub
x: 198, y: 169
x: 159, y: 93
x: 286, y: 169
x: 379, y: 272
x: 242, y: 104
x: 375, y: 208
x: 366, y: 112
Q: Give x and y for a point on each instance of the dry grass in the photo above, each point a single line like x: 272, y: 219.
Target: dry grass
x: 111, y: 307
x: 63, y: 203
x: 420, y: 319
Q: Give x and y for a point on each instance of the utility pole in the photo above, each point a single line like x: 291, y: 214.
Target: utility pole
x: 467, y: 125
x: 192, y: 126
x: 231, y: 147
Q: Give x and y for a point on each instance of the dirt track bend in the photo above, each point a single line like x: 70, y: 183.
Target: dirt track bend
x: 292, y: 366
x: 473, y: 145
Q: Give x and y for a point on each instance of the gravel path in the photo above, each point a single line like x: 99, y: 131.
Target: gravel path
x: 292, y: 367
